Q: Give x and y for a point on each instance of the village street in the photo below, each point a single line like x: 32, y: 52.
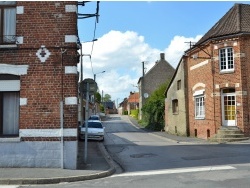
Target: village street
x: 145, y: 159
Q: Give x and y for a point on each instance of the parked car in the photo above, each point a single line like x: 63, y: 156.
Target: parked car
x: 95, y: 117
x: 95, y: 130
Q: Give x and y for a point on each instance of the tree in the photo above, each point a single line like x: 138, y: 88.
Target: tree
x: 98, y: 97
x: 154, y: 108
x: 107, y: 98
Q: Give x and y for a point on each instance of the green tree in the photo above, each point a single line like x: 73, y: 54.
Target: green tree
x: 153, y: 109
x: 107, y: 98
x: 98, y: 97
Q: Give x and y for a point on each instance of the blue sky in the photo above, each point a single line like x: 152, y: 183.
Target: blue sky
x: 130, y: 32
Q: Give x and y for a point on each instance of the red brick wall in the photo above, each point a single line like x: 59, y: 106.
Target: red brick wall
x: 45, y: 23
x: 210, y: 75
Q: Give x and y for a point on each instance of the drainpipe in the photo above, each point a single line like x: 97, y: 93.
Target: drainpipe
x: 61, y: 110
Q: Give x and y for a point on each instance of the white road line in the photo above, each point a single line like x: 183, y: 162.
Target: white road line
x: 9, y: 186
x: 175, y: 171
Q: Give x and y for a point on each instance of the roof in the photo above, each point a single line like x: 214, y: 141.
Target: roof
x: 235, y: 21
x: 133, y: 97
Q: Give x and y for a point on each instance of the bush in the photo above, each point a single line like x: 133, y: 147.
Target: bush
x: 134, y: 113
x: 154, y: 109
x: 125, y: 113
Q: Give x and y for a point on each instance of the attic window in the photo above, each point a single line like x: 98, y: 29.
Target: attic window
x: 178, y: 84
x: 226, y: 59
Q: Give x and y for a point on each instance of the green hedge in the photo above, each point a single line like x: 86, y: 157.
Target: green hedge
x: 134, y: 113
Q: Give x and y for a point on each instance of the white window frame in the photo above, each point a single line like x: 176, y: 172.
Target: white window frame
x: 226, y: 59
x: 200, y: 108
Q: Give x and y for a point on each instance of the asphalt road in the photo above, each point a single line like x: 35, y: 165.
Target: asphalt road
x: 147, y: 160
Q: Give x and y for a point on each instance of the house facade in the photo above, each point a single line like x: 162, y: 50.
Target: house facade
x: 133, y: 102
x: 157, y: 75
x: 38, y: 84
x: 217, y: 70
x: 176, y: 112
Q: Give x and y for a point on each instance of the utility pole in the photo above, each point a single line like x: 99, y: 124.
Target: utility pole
x: 86, y: 124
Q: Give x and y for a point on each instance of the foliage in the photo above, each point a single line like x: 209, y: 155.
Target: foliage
x: 101, y: 108
x: 153, y: 109
x: 107, y: 98
x: 134, y: 113
x: 98, y: 97
x: 125, y: 112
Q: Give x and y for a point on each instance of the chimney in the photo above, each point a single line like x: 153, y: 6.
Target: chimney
x: 162, y: 55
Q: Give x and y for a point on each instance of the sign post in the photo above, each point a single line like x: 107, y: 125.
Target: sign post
x: 88, y: 87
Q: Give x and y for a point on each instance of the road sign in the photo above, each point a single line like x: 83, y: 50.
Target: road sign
x: 92, y: 86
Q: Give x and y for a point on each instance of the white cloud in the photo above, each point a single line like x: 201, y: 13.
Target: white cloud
x: 177, y: 47
x: 121, y: 54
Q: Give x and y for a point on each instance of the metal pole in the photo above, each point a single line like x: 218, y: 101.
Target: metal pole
x: 86, y: 124
x: 61, y: 125
x: 81, y: 94
x: 94, y: 97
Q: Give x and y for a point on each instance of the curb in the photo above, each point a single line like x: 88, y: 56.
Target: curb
x: 169, y: 139
x: 56, y: 180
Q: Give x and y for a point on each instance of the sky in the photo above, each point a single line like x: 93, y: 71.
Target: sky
x: 131, y: 32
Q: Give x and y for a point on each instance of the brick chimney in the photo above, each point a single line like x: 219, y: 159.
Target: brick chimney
x: 162, y: 56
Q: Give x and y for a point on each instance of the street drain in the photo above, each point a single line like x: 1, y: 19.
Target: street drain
x: 143, y: 155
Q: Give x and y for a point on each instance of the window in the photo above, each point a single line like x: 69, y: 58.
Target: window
x: 9, y: 105
x: 7, y: 22
x: 175, y: 108
x: 199, y: 107
x: 226, y: 59
x: 178, y: 84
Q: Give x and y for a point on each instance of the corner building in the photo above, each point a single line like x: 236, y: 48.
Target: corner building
x: 38, y: 84
x: 218, y: 76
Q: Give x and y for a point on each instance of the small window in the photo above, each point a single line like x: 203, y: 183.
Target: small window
x: 7, y: 22
x: 178, y: 84
x: 226, y: 59
x: 175, y: 107
x: 199, y: 107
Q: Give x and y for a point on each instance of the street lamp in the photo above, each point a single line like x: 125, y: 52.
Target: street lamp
x: 84, y: 55
x: 94, y: 94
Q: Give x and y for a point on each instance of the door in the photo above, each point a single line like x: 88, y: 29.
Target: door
x: 228, y: 107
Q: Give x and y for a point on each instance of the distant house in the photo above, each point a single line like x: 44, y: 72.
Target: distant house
x: 157, y: 75
x: 217, y: 70
x: 133, y: 102
x: 109, y: 107
x: 123, y: 106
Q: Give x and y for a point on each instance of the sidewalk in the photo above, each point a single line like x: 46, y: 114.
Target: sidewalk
x: 99, y: 164
x: 181, y: 139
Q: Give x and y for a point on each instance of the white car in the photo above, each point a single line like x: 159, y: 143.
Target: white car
x: 95, y: 117
x: 95, y: 130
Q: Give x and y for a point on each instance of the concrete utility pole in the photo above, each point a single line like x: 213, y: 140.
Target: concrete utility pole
x: 95, y: 91
x: 86, y: 124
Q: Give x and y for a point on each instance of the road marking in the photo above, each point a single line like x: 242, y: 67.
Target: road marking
x: 176, y: 170
x: 9, y: 186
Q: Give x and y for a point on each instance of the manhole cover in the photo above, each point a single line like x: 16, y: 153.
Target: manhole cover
x: 143, y: 155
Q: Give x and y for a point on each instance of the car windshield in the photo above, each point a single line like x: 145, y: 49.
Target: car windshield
x: 94, y: 125
x: 94, y: 118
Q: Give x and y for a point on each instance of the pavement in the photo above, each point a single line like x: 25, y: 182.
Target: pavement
x: 181, y: 139
x: 99, y: 164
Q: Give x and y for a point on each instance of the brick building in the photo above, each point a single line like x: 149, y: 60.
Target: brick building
x: 38, y: 83
x: 218, y: 74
